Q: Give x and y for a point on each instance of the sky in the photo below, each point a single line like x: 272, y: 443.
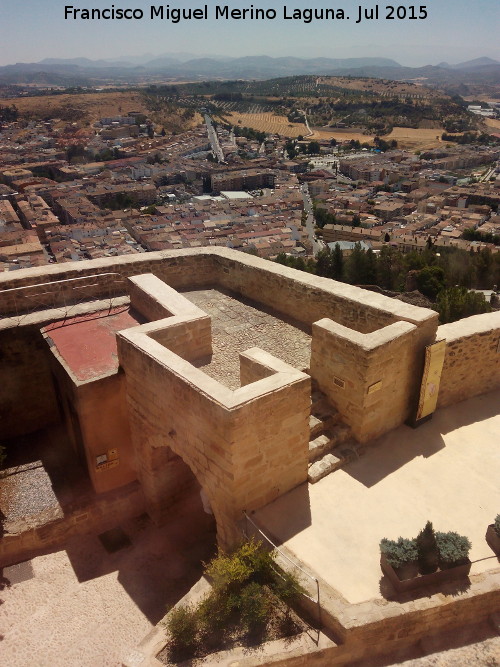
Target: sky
x: 454, y: 31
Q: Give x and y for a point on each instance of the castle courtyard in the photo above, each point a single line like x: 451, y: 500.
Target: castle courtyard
x: 83, y: 606
x: 446, y: 471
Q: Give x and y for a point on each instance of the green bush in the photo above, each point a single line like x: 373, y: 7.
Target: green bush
x: 399, y: 552
x: 287, y: 587
x: 248, y: 588
x: 453, y: 549
x: 497, y: 525
x: 182, y: 625
x: 428, y: 555
x: 232, y: 571
x: 255, y: 606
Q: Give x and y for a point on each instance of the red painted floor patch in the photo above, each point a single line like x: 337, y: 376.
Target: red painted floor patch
x: 87, y: 343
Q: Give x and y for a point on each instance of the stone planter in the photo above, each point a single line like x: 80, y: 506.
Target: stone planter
x: 421, y: 580
x: 493, y: 539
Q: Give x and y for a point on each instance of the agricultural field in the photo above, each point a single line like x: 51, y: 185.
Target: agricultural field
x: 268, y: 122
x: 379, y: 87
x: 410, y: 138
x: 492, y: 124
x: 341, y: 134
x: 416, y: 139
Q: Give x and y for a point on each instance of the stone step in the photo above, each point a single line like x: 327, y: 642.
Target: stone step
x: 318, y: 447
x: 327, y: 440
x: 333, y: 460
x: 339, y: 434
x: 319, y: 424
x: 323, y: 467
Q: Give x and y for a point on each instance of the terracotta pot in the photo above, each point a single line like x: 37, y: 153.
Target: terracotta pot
x: 493, y: 539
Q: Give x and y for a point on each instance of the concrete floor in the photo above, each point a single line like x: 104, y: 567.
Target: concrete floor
x: 85, y: 607
x: 447, y: 471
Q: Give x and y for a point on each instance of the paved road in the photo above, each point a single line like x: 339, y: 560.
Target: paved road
x: 316, y: 245
x: 214, y: 139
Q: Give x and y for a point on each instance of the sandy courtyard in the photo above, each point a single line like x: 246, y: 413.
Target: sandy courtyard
x: 446, y: 471
x: 85, y: 607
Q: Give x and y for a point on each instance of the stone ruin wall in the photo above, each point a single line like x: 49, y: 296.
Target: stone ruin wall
x: 472, y: 359
x: 26, y: 400
x: 372, y: 379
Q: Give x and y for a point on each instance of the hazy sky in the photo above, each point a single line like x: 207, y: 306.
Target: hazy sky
x: 455, y: 30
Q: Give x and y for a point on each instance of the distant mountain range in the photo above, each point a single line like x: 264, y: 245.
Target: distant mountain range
x: 85, y: 72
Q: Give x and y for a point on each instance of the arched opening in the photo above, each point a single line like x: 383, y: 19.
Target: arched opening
x: 185, y: 497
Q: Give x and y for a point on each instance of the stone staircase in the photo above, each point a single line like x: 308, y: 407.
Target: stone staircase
x: 331, y: 443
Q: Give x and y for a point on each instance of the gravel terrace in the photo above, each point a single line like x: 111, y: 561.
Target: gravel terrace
x: 85, y: 607
x: 239, y: 324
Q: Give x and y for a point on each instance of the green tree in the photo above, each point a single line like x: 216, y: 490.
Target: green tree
x: 313, y: 148
x: 428, y: 555
x: 337, y: 263
x: 454, y: 303
x: 430, y: 281
x: 355, y: 265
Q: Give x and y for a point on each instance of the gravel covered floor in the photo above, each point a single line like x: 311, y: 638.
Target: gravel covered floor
x: 85, y: 607
x: 239, y: 324
x: 42, y: 477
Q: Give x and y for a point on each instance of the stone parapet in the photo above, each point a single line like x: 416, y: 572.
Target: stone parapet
x: 245, y: 447
x: 372, y: 378
x: 472, y: 359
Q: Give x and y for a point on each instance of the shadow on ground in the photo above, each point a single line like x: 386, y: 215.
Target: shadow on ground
x: 156, y: 566
x: 451, y: 589
x: 397, y: 448
x: 42, y: 474
x: 285, y: 517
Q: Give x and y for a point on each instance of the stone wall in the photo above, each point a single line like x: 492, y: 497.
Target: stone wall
x: 99, y: 514
x: 27, y: 397
x: 102, y: 411
x: 29, y: 290
x: 310, y: 298
x: 372, y: 379
x: 472, y: 359
x: 302, y: 296
x: 245, y: 447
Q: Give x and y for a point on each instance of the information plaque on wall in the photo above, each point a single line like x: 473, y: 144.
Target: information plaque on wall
x: 434, y: 359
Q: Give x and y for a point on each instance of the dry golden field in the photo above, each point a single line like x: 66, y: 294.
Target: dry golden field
x: 268, y: 122
x: 341, y: 134
x: 412, y: 139
x: 492, y: 123
x: 94, y: 105
x: 86, y: 109
x: 416, y: 139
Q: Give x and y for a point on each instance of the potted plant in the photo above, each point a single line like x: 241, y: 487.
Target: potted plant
x: 453, y: 550
x: 432, y: 558
x: 401, y: 555
x: 428, y: 555
x: 493, y: 535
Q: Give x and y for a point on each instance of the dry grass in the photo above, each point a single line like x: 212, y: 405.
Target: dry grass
x: 268, y: 122
x: 341, y: 134
x: 86, y: 109
x: 94, y: 105
x: 413, y: 139
x: 380, y: 86
x: 419, y: 138
x: 492, y: 123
